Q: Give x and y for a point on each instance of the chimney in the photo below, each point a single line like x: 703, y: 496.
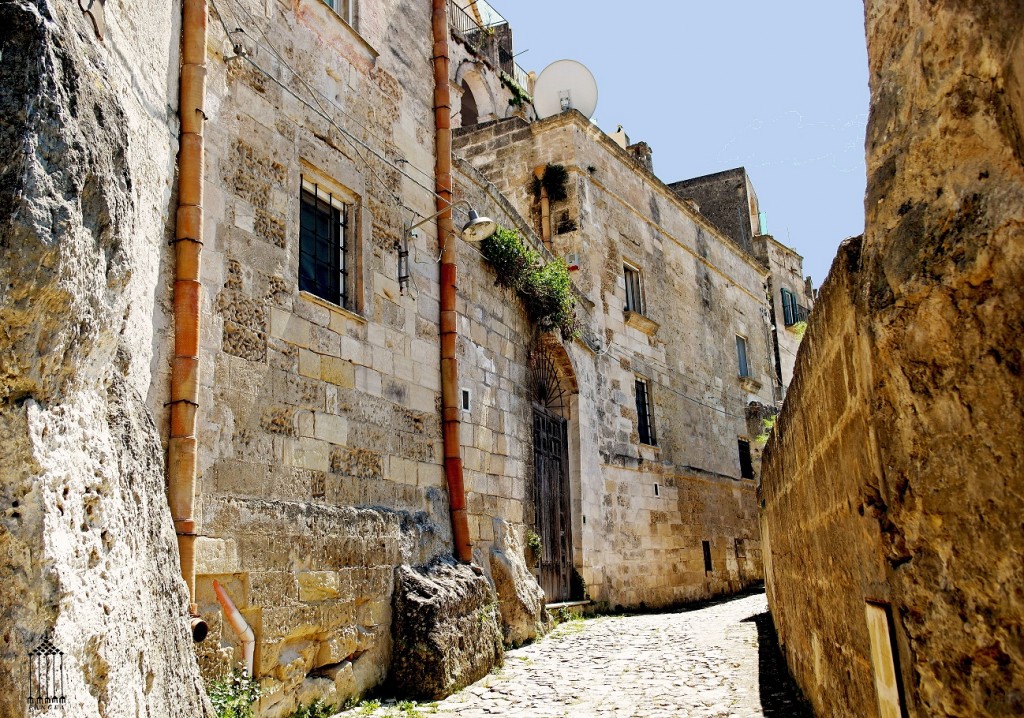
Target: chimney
x: 641, y: 152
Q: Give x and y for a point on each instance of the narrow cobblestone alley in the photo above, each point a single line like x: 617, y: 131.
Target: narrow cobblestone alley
x: 714, y: 661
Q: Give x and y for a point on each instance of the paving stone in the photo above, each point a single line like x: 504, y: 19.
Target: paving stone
x: 697, y: 663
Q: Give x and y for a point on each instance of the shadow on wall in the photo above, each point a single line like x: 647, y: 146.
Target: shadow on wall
x: 780, y: 695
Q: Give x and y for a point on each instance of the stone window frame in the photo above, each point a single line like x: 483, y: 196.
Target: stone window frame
x: 746, y: 468
x: 312, y: 179
x: 743, y: 357
x: 634, y: 301
x: 344, y: 9
x: 645, y: 412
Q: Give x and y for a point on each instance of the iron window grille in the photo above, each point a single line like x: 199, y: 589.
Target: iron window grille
x: 645, y: 415
x: 741, y: 356
x: 634, y: 289
x: 323, y: 224
x: 746, y: 462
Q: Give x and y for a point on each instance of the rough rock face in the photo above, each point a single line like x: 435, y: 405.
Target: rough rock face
x: 88, y: 548
x: 520, y: 598
x: 445, y: 630
x: 895, y: 473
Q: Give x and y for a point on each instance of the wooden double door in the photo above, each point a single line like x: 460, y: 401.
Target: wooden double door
x: 554, y: 520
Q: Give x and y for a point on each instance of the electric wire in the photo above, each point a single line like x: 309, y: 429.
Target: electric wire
x: 356, y: 142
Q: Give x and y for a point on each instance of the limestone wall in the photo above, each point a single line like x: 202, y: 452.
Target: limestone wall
x: 893, y: 478
x: 87, y: 148
x: 640, y: 511
x: 786, y: 269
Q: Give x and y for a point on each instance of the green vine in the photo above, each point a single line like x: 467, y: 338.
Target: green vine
x: 545, y: 289
x: 519, y: 95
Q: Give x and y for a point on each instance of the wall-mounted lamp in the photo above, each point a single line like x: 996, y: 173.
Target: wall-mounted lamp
x: 477, y: 229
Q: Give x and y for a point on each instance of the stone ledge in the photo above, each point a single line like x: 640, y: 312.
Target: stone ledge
x: 638, y: 321
x: 749, y: 383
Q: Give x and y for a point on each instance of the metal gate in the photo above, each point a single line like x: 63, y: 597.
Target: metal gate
x: 550, y: 456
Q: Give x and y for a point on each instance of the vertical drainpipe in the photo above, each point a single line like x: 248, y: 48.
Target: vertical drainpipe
x: 545, y: 207
x: 182, y: 448
x: 451, y: 410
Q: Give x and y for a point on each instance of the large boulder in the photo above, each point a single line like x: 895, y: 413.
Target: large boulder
x: 445, y: 630
x: 520, y: 598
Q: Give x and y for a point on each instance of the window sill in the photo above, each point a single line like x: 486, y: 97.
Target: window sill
x: 638, y: 321
x: 749, y: 383
x: 335, y: 309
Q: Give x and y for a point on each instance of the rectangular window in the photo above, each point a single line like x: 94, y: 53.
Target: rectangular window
x: 789, y: 312
x: 746, y: 463
x: 645, y: 415
x: 741, y: 549
x: 706, y: 545
x: 741, y: 355
x: 343, y: 8
x: 323, y: 265
x: 634, y: 290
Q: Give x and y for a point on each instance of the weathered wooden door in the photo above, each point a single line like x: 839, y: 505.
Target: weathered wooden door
x: 550, y: 456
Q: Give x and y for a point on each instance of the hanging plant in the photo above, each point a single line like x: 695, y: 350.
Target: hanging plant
x: 519, y: 95
x: 546, y: 289
x: 555, y: 180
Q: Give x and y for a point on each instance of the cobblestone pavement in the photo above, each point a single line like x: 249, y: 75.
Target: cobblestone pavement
x: 717, y: 660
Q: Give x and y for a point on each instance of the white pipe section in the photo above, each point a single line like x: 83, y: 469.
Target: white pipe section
x: 242, y: 629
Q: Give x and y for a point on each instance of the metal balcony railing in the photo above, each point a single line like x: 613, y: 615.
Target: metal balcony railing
x: 492, y: 40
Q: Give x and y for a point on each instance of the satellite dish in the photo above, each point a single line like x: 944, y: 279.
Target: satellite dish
x: 565, y: 85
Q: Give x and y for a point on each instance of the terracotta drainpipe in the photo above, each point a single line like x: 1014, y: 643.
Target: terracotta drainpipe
x: 184, y: 403
x: 545, y: 207
x: 450, y: 404
x: 241, y: 629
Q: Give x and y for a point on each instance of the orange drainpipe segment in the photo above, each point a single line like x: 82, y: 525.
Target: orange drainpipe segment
x: 451, y: 410
x: 182, y: 448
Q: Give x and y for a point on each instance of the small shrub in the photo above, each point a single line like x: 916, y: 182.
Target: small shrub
x: 234, y: 694
x: 555, y: 181
x: 545, y: 289
x: 766, y: 429
x: 316, y: 709
x: 533, y: 543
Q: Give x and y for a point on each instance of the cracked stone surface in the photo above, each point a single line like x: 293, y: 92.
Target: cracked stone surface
x: 717, y: 660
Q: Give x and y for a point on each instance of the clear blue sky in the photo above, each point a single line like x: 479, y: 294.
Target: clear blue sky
x: 777, y: 87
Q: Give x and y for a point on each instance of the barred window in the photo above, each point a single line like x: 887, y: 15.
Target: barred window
x: 323, y: 235
x: 645, y: 415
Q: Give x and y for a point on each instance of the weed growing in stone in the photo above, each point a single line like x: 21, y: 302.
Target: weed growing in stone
x: 316, y: 709
x: 234, y: 694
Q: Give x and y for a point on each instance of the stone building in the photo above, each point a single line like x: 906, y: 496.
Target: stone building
x: 309, y: 429
x: 892, y: 486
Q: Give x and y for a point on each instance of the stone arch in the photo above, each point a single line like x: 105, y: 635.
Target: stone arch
x: 470, y: 114
x: 468, y: 78
x: 553, y: 375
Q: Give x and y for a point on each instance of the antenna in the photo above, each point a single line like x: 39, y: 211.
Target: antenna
x: 565, y: 85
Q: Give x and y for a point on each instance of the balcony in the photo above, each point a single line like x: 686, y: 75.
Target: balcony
x: 484, y: 31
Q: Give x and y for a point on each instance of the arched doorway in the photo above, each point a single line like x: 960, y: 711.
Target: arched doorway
x: 551, y: 467
x: 470, y: 113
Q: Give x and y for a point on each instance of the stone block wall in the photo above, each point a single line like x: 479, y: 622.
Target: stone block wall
x: 631, y: 546
x: 893, y: 480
